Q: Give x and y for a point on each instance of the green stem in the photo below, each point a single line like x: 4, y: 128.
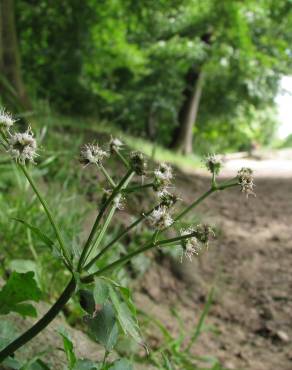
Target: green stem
x: 213, y: 189
x: 41, y: 324
x: 107, y: 175
x: 49, y: 215
x: 138, y: 187
x: 116, y: 190
x: 119, y: 236
x: 194, y: 204
x: 102, y: 232
x: 106, y: 353
x: 122, y: 158
x: 128, y: 257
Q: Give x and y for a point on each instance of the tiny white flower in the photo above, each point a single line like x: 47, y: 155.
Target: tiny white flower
x: 23, y: 146
x: 191, y: 245
x: 246, y: 181
x: 194, y: 244
x: 163, y: 173
x: 119, y: 202
x: 115, y: 144
x: 160, y: 218
x: 213, y: 163
x: 6, y: 120
x: 92, y: 154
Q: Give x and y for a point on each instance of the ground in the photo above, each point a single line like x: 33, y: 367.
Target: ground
x: 249, y: 265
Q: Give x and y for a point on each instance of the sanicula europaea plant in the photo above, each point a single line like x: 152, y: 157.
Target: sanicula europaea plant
x: 82, y: 264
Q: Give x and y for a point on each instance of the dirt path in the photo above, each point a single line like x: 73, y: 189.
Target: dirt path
x: 249, y: 265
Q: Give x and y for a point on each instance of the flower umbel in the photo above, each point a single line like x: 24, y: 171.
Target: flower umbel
x: 23, y: 146
x: 213, y: 163
x: 92, y: 154
x: 246, y: 181
x: 160, y: 218
x: 6, y: 120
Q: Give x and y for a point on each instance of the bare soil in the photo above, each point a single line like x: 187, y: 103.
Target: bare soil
x: 249, y: 265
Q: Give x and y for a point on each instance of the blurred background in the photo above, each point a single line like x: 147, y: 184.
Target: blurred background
x: 190, y: 75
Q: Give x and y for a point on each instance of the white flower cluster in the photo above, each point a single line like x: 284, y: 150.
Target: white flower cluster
x: 92, y: 154
x: 246, y: 181
x: 191, y: 245
x: 160, y: 218
x: 213, y: 163
x: 23, y: 146
x: 6, y: 120
x: 163, y: 176
x: 195, y: 243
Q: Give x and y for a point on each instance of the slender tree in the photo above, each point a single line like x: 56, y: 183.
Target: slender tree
x: 10, y: 60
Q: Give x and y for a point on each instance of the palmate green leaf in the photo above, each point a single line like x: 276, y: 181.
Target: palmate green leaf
x: 19, y: 288
x: 47, y: 241
x: 103, y: 326
x: 125, y: 316
x: 122, y: 364
x: 68, y: 348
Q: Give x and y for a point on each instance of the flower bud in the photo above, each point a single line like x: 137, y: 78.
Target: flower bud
x: 138, y: 163
x: 115, y: 144
x: 213, y: 164
x: 168, y: 199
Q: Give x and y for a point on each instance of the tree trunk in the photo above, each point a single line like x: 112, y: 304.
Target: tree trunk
x: 11, y: 62
x: 183, y: 139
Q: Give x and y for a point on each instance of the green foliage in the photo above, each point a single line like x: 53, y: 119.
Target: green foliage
x: 20, y: 287
x: 103, y: 326
x: 128, y: 63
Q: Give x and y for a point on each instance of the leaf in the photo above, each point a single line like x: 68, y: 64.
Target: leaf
x: 35, y: 364
x: 125, y: 317
x: 12, y: 363
x: 86, y: 301
x: 68, y: 347
x: 122, y: 364
x: 200, y: 326
x: 49, y: 243
x: 20, y: 265
x: 86, y: 365
x: 7, y: 333
x: 166, y: 362
x: 100, y: 291
x: 104, y: 327
x: 19, y: 288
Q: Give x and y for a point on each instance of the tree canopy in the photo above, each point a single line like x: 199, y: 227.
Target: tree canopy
x: 165, y: 69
